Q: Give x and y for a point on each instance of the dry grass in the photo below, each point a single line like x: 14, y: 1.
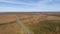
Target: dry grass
x: 6, y: 18
x: 35, y: 19
x: 53, y: 18
x: 8, y: 24
x: 32, y: 21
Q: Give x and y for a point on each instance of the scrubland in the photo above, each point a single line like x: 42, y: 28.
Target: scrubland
x: 37, y: 24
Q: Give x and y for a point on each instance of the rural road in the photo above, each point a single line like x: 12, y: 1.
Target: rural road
x: 23, y: 26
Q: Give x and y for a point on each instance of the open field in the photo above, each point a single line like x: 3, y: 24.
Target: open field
x: 37, y: 23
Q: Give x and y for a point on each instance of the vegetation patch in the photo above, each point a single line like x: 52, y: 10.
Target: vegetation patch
x: 4, y: 25
x: 53, y: 15
x: 46, y: 27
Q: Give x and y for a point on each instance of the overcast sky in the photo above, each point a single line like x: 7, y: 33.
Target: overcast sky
x: 29, y: 5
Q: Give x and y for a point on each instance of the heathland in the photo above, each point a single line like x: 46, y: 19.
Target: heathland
x: 36, y: 22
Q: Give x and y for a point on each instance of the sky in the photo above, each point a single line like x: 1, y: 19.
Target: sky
x: 29, y: 5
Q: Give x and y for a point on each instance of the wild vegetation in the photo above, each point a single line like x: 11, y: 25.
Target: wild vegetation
x: 43, y: 27
x: 46, y: 27
x: 53, y: 15
x: 37, y: 24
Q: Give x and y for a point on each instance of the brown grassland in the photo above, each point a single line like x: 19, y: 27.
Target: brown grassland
x: 38, y: 23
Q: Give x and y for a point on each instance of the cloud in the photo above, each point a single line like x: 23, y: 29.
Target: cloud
x: 15, y: 2
x: 42, y: 5
x: 31, y: 2
x: 26, y: 2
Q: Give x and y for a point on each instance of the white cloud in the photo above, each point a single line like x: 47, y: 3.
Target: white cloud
x: 15, y: 2
x: 43, y: 2
x: 41, y: 5
x: 20, y: 2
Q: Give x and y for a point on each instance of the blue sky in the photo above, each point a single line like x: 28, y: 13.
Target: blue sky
x: 29, y: 5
